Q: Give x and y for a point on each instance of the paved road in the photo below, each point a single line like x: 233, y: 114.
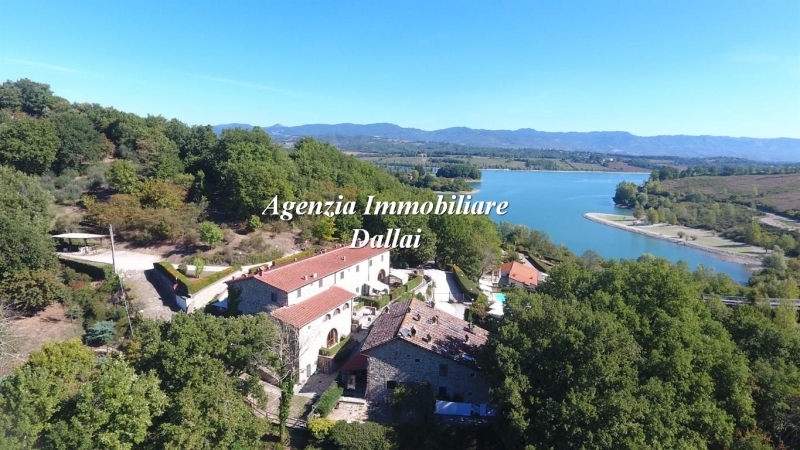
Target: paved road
x: 446, y: 285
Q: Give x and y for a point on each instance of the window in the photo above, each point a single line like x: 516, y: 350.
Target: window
x: 381, y: 258
x: 337, y: 311
x: 442, y: 391
x: 346, y: 306
x: 327, y: 317
x: 442, y: 370
x: 341, y: 275
x: 298, y: 292
x: 358, y: 268
x: 333, y: 338
x: 391, y: 384
x: 370, y: 263
x: 319, y: 284
x: 274, y: 297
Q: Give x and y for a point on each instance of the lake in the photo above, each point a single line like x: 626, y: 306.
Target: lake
x: 555, y: 202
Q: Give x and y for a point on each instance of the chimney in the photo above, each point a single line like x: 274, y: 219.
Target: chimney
x: 471, y: 326
x: 314, y: 275
x: 413, y: 331
x: 344, y: 258
x: 305, y: 277
x: 435, y: 319
x: 466, y: 338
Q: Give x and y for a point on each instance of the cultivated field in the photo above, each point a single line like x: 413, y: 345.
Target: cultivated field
x: 781, y: 193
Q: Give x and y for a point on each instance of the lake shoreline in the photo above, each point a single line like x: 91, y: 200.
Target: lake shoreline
x: 569, y: 171
x: 752, y: 262
x: 474, y: 191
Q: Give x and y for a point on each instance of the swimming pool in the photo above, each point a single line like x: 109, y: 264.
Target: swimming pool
x: 499, y: 297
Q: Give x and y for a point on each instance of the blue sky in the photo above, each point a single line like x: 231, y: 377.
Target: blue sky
x: 649, y: 67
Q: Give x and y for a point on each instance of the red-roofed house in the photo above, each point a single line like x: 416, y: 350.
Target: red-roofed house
x: 517, y: 274
x: 315, y: 296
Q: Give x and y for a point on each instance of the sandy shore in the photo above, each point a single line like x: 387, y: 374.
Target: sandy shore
x: 745, y: 254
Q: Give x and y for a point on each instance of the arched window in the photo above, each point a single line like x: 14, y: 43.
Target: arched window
x: 346, y: 306
x: 381, y: 275
x: 337, y: 311
x: 327, y: 317
x: 333, y: 338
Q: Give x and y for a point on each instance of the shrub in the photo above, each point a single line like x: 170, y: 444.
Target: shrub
x: 360, y: 436
x: 199, y: 265
x: 328, y: 400
x: 253, y: 224
x: 210, y: 233
x: 101, y: 333
x: 320, y: 427
x: 183, y: 269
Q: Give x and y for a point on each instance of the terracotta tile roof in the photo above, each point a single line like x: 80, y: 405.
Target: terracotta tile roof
x: 308, y: 310
x: 434, y: 330
x: 521, y: 273
x: 357, y: 363
x: 290, y: 277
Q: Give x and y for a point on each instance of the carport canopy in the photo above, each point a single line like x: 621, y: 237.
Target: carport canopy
x: 79, y: 236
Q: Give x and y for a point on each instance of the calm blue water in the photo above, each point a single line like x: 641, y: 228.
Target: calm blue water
x: 555, y: 202
x: 500, y: 297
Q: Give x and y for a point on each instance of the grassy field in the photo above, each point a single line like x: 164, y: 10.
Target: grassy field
x: 780, y: 193
x: 28, y: 334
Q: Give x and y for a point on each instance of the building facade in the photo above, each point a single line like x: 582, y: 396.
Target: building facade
x: 315, y: 296
x: 412, y: 342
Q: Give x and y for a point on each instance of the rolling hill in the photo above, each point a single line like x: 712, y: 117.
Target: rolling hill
x: 773, y: 150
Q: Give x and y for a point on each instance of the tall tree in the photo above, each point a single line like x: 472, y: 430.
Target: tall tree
x: 25, y: 216
x: 112, y: 411
x: 80, y: 143
x: 29, y: 145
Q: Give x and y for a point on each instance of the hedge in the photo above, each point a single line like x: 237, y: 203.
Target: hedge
x: 378, y: 303
x: 95, y: 270
x: 415, y: 281
x: 468, y: 286
x: 335, y: 349
x: 328, y: 400
x: 285, y: 260
x: 187, y: 285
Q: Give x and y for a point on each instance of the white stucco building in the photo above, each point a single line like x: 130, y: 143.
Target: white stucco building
x: 315, y: 296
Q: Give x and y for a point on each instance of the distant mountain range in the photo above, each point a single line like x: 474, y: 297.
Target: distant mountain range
x: 773, y: 150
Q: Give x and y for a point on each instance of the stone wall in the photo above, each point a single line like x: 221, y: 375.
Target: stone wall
x: 256, y: 297
x: 405, y: 362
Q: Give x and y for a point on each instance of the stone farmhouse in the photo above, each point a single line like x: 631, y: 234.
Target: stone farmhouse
x: 412, y: 342
x: 314, y: 296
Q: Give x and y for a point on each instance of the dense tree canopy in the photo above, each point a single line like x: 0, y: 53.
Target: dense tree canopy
x: 629, y: 357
